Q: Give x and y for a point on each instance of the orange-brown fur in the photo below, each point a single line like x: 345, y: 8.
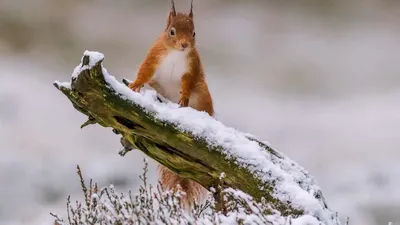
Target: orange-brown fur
x: 192, y: 84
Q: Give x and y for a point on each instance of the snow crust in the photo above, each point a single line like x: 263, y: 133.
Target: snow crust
x: 293, y: 183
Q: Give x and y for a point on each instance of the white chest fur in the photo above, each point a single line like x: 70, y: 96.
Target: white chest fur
x: 169, y: 73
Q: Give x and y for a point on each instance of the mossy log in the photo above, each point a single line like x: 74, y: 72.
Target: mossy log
x: 182, y: 152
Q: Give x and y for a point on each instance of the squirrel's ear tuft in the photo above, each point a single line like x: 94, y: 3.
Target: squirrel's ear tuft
x: 171, y: 14
x: 191, y: 9
x: 173, y: 11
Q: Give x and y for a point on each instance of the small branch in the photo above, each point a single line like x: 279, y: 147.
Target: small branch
x: 127, y: 146
x: 91, y: 120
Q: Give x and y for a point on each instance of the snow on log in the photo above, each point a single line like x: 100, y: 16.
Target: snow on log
x: 192, y: 143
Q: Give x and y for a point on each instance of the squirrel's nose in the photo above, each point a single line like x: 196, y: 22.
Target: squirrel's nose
x: 184, y: 45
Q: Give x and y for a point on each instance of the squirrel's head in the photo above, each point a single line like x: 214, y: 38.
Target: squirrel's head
x: 179, y: 33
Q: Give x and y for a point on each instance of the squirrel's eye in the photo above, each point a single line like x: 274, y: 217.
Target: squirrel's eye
x: 172, y: 31
x: 194, y: 34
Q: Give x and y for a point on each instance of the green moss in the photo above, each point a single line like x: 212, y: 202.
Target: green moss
x: 184, y: 138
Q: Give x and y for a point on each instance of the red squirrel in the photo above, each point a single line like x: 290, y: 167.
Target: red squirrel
x: 173, y: 68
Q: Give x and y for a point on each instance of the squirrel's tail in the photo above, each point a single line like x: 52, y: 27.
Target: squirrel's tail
x: 194, y: 191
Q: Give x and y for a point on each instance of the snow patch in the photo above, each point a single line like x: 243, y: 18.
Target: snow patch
x: 63, y: 84
x: 94, y: 57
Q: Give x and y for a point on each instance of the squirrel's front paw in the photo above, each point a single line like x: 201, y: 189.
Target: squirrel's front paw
x: 183, y: 102
x: 135, y: 86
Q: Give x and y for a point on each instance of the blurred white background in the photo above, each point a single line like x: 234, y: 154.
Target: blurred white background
x: 318, y: 79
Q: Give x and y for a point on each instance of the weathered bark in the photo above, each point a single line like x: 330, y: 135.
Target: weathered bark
x: 187, y: 155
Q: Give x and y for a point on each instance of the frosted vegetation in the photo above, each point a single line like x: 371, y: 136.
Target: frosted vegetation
x: 153, y: 206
